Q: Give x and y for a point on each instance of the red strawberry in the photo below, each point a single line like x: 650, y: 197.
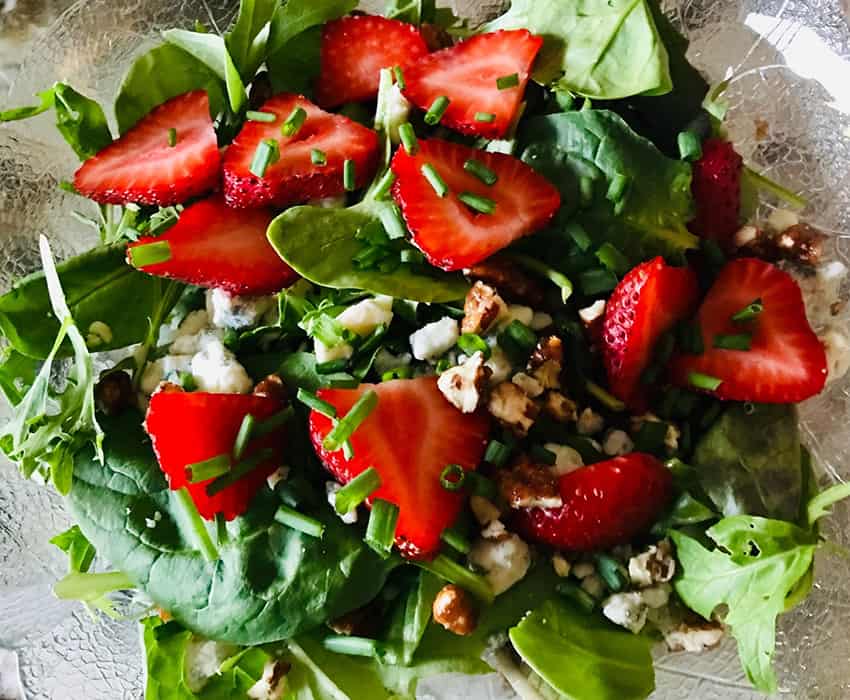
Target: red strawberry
x: 354, y: 49
x: 467, y: 73
x: 186, y: 428
x: 716, y: 187
x: 295, y: 178
x: 410, y: 437
x: 643, y: 306
x: 605, y: 504
x: 786, y: 362
x: 212, y: 245
x: 452, y: 235
x: 141, y: 166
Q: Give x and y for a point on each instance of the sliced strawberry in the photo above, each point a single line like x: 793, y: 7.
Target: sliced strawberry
x: 786, y: 362
x: 295, y: 178
x: 467, y: 73
x: 716, y: 187
x: 643, y: 306
x: 354, y: 49
x: 452, y: 235
x: 187, y: 428
x: 212, y: 245
x: 605, y: 504
x: 410, y: 438
x: 142, y: 167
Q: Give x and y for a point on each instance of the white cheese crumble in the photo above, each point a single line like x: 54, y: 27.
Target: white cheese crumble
x: 331, y: 488
x: 325, y: 354
x: 226, y: 310
x: 499, y: 365
x: 434, y: 340
x: 385, y: 361
x: 782, y: 219
x: 516, y: 312
x: 163, y: 369
x: 505, y: 561
x: 203, y: 660
x: 365, y: 316
x: 216, y: 370
x: 589, y: 422
x: 566, y: 459
x: 626, y: 610
x: 617, y: 443
x: 836, y: 343
x: 591, y: 313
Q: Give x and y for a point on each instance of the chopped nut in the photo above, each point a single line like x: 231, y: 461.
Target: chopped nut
x: 800, y: 243
x: 464, y: 386
x: 547, y: 361
x: 655, y: 565
x: 511, y: 281
x: 495, y: 530
x: 483, y: 510
x: 561, y: 565
x: 746, y: 235
x: 589, y: 422
x: 528, y: 384
x: 272, y: 684
x: 566, y: 459
x: 583, y: 569
x: 453, y: 609
x: 482, y: 308
x: 272, y: 387
x: 617, y: 443
x: 512, y: 408
x: 114, y: 392
x: 594, y: 585
x: 762, y: 129
x: 559, y: 407
x: 529, y: 485
x: 361, y: 622
x: 694, y: 637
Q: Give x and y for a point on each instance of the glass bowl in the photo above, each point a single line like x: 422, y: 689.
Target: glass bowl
x: 790, y: 117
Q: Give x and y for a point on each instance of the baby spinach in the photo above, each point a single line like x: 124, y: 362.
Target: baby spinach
x: 296, y: 16
x: 270, y: 582
x: 248, y: 38
x: 410, y: 620
x: 320, y: 243
x: 604, y: 49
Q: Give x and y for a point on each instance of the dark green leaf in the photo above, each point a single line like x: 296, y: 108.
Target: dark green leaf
x: 247, y: 40
x: 80, y: 121
x: 411, y: 619
x: 296, y: 16
x: 295, y: 67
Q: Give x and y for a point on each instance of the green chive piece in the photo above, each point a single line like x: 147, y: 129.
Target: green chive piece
x: 294, y: 122
x: 385, y: 184
x: 399, y: 78
x: 740, y: 341
x: 690, y: 147
x: 380, y: 532
x: 150, y: 253
x: 318, y: 157
x: 273, y: 422
x: 481, y: 171
x: 237, y: 472
x: 607, y: 399
x: 507, y: 81
x: 357, y: 490
x: 470, y: 343
x: 314, y: 403
x: 456, y: 540
x: 484, y: 205
x: 455, y: 573
x: 267, y: 153
x: 478, y: 485
x: 352, y: 646
x: 348, y: 450
x: 397, y: 373
x: 172, y: 137
x: 617, y: 188
x: 580, y: 237
x: 577, y: 594
x: 343, y: 430
x: 613, y: 260
x: 749, y: 313
x: 298, y: 521
x: 453, y: 477
x: 331, y: 366
x: 349, y: 176
x: 497, y: 453
x: 442, y: 365
x: 408, y: 138
x: 340, y: 380
x: 540, y: 455
x: 199, y: 528
x: 595, y: 282
x: 434, y: 179
x: 243, y: 436
x: 437, y: 110
x: 187, y: 381
x: 486, y: 117
x: 208, y: 469
x: 703, y: 381
x: 266, y: 117
x: 220, y: 529
x: 612, y: 572
x: 559, y: 279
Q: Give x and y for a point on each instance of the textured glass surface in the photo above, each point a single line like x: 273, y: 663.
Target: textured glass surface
x: 790, y: 118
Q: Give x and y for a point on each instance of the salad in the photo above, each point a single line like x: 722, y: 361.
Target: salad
x: 412, y: 347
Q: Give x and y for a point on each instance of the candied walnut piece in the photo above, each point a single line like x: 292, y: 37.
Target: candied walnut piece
x: 464, y: 386
x: 559, y: 407
x: 529, y: 485
x: 800, y: 243
x: 547, y: 362
x: 272, y: 387
x: 114, y: 392
x: 512, y: 408
x: 482, y: 307
x: 511, y: 281
x: 453, y: 609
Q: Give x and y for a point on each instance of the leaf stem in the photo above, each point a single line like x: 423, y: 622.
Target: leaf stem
x: 199, y: 529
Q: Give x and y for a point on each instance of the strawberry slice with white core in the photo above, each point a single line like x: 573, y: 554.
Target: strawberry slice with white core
x: 410, y: 437
x: 484, y: 78
x: 144, y: 167
x: 450, y: 233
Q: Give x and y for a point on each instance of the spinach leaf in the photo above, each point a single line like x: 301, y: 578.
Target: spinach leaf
x: 583, y: 656
x: 604, y: 49
x: 749, y: 462
x: 298, y: 371
x: 160, y: 74
x: 99, y: 287
x: 296, y: 16
x: 320, y: 243
x: 411, y: 619
x: 79, y: 550
x: 270, y: 582
x: 246, y: 42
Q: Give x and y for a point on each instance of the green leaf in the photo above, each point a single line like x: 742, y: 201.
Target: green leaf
x: 411, y: 619
x: 247, y: 40
x: 583, y: 656
x: 81, y: 121
x: 749, y: 461
x: 17, y: 374
x: 80, y: 551
x: 18, y: 113
x: 160, y: 74
x: 604, y: 49
x: 296, y: 16
x: 99, y: 286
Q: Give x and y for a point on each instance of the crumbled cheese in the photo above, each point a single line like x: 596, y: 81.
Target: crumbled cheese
x: 566, y: 459
x: 583, y: 569
x: 272, y: 684
x: 745, y: 235
x: 226, y: 310
x: 325, y: 354
x: 365, y: 316
x: 617, y: 443
x: 216, y: 370
x: 202, y: 661
x: 589, y: 422
x: 528, y: 384
x: 591, y: 313
x: 836, y: 343
x: 499, y: 365
x: 331, y: 487
x: 561, y: 565
x: 594, y: 585
x: 782, y: 219
x: 516, y: 312
x: 495, y: 530
x: 464, y: 386
x: 385, y: 361
x: 161, y: 369
x: 501, y: 146
x: 435, y: 339
x: 540, y: 321
x: 186, y: 340
x: 626, y: 610
x: 505, y: 561
x: 483, y: 510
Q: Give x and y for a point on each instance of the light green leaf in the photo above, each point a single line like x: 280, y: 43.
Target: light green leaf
x: 247, y: 40
x: 18, y: 113
x: 80, y: 551
x: 17, y: 374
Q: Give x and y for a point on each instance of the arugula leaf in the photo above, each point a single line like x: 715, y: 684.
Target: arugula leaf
x: 247, y: 41
x: 160, y: 74
x: 80, y: 551
x: 583, y: 656
x: 320, y: 243
x: 604, y: 49
x: 750, y: 462
x: 17, y: 374
x: 93, y: 589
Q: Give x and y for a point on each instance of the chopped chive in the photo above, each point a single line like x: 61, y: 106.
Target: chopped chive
x: 399, y: 77
x: 357, y: 490
x: 314, y: 403
x: 351, y: 421
x: 150, y: 253
x: 380, y: 532
x: 198, y: 527
x: 612, y: 572
x: 352, y: 646
x: 243, y: 436
x: 617, y: 188
x: 703, y: 381
x: 559, y: 279
x: 586, y: 185
x: 453, y: 477
x: 470, y: 343
x: 690, y: 338
x: 613, y: 260
x: 382, y: 189
x: 749, y: 313
x: 486, y: 117
x: 349, y: 176
x: 348, y: 450
x: 484, y: 205
x: 340, y: 380
x: 273, y: 422
x: 437, y: 110
x: 740, y: 341
x: 408, y: 138
x: 442, y: 365
x: 690, y: 148
x: 434, y: 179
x: 187, y: 381
x: 267, y: 117
x: 208, y: 469
x: 479, y: 485
x: 607, y: 399
x: 481, y: 171
x: 506, y: 82
x: 540, y: 455
x: 456, y: 540
x: 298, y: 521
x: 455, y: 573
x: 331, y: 366
x: 267, y: 153
x: 238, y: 471
x: 576, y: 231
x: 318, y: 157
x: 598, y: 281
x: 497, y: 453
x: 397, y: 373
x: 294, y: 122
x: 393, y: 224
x: 577, y: 594
x: 172, y: 137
